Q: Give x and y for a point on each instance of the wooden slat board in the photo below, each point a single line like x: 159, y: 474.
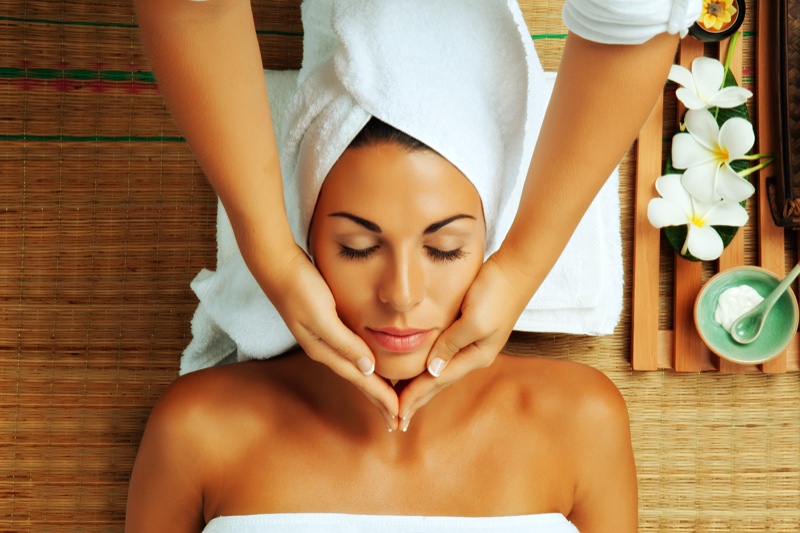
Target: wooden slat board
x: 682, y: 348
x: 644, y: 331
x: 771, y: 255
x: 689, y: 351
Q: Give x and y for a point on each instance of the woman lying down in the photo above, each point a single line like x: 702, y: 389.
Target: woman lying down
x: 400, y: 171
x: 287, y: 445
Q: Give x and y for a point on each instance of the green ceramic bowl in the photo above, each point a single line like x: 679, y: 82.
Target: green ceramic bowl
x: 779, y: 329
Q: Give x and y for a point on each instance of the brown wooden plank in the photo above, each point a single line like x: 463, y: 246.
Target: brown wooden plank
x: 665, y: 348
x: 689, y: 351
x: 771, y: 245
x: 733, y: 255
x: 644, y: 320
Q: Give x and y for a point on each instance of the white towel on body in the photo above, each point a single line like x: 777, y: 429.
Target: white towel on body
x: 473, y: 90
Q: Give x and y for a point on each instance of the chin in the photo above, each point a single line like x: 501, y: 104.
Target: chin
x: 400, y: 366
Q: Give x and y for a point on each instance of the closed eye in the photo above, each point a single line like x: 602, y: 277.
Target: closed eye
x: 356, y: 253
x: 445, y: 255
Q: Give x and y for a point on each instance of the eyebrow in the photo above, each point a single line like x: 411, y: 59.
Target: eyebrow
x: 371, y: 226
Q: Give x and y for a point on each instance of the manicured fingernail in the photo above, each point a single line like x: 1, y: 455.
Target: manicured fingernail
x: 404, y: 425
x: 366, y: 366
x: 436, y: 367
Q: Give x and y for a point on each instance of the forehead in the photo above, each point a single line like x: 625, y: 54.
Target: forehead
x: 387, y: 182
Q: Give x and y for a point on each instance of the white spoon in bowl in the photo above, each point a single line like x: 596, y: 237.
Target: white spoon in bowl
x: 747, y: 327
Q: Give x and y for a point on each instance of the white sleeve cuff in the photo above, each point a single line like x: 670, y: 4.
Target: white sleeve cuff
x: 629, y: 21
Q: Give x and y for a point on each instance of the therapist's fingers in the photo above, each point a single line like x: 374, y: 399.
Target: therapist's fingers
x: 425, y: 386
x: 307, y: 306
x: 462, y: 334
x: 490, y: 308
x: 489, y: 311
x: 373, y: 386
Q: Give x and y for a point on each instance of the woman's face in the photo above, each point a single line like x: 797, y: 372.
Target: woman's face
x: 399, y: 236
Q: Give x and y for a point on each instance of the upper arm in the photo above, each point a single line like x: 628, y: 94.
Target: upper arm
x: 207, y: 61
x: 605, y: 492
x: 166, y: 492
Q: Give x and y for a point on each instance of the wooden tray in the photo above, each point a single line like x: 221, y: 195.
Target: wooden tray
x: 681, y: 348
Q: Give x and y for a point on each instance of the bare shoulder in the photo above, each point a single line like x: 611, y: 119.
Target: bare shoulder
x: 208, y: 418
x: 202, y: 421
x: 577, y: 404
x: 559, y: 387
x: 211, y: 403
x: 581, y: 418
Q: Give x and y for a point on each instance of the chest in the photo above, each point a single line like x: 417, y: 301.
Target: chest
x: 466, y: 474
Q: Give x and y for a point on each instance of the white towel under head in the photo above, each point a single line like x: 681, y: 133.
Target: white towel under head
x: 471, y: 89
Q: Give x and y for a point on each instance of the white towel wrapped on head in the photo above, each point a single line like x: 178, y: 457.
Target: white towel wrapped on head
x: 461, y: 76
x: 467, y: 88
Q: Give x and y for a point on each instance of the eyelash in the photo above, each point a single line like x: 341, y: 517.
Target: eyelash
x: 354, y: 253
x: 433, y: 253
x: 444, y: 256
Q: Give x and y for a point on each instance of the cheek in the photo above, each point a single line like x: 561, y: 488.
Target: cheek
x: 447, y: 286
x: 351, y: 294
x: 350, y: 282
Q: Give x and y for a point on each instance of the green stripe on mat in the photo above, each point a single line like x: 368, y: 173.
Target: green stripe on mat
x: 539, y: 36
x: 88, y: 75
x: 88, y: 138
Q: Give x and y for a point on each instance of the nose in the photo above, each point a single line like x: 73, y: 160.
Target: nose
x: 403, y: 283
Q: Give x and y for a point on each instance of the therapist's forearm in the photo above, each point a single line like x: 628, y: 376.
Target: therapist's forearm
x: 206, y: 59
x: 602, y: 96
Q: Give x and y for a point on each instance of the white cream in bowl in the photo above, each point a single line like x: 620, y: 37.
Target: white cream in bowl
x: 733, y: 303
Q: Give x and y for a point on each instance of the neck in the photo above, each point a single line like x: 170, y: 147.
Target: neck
x: 347, y: 412
x: 342, y: 411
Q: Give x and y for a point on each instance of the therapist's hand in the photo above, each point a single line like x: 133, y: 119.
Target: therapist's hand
x: 306, y: 304
x: 491, y: 307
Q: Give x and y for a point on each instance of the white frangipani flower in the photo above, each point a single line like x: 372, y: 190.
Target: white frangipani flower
x: 702, y: 86
x: 677, y: 207
x: 706, y: 152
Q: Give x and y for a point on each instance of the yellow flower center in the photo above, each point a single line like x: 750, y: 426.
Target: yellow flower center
x: 718, y: 14
x: 715, y: 9
x: 722, y: 155
x: 698, y: 221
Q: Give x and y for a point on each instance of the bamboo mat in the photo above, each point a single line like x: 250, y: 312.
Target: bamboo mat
x: 105, y: 218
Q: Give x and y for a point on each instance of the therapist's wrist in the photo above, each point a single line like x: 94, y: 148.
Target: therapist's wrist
x: 520, y: 272
x: 270, y: 253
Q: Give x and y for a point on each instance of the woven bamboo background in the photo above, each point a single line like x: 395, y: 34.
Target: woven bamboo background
x: 105, y: 218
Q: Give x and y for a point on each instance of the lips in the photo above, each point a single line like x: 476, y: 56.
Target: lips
x: 400, y: 340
